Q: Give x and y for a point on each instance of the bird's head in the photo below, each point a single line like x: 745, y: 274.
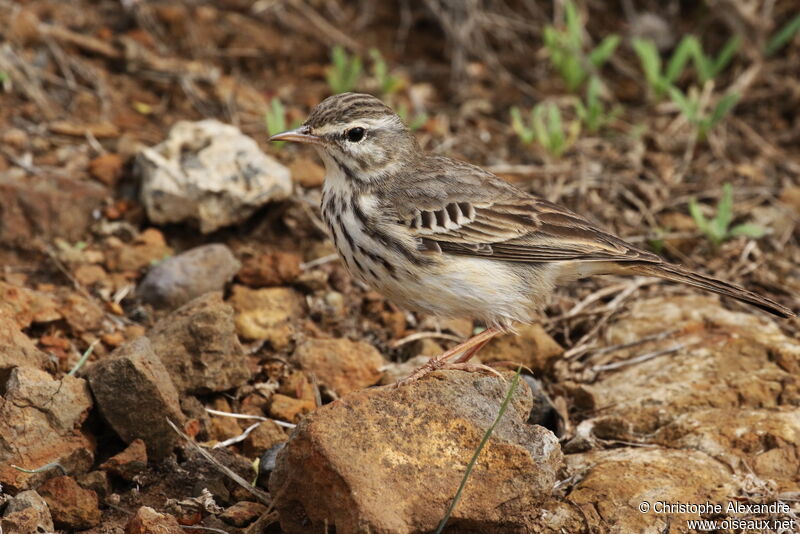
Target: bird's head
x: 359, y: 134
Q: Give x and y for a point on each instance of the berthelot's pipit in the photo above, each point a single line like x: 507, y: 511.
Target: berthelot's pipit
x: 450, y: 239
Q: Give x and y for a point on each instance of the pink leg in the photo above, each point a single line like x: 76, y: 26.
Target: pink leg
x: 467, y: 349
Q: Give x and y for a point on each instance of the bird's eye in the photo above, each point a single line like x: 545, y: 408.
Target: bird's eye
x: 354, y: 135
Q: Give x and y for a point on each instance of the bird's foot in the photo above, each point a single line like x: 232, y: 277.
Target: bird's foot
x: 442, y: 365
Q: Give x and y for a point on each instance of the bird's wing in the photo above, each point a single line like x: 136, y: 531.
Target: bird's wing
x: 477, y: 214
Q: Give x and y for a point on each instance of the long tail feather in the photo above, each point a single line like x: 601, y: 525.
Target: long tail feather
x: 676, y: 273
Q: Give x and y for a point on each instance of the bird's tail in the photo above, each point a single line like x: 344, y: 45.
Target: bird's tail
x: 676, y: 273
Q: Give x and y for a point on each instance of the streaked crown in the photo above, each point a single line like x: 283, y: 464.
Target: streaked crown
x: 361, y: 135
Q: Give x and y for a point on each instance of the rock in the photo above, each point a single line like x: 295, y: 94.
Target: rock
x: 72, y: 506
x: 106, y: 168
x: 390, y: 460
x: 307, y: 173
x: 264, y: 437
x: 764, y: 441
x: 129, y: 463
x: 222, y: 427
x: 16, y: 349
x: 285, y: 408
x: 135, y: 395
x: 26, y: 306
x: 145, y: 249
x: 40, y: 423
x: 728, y: 360
x: 34, y: 210
x: 26, y: 513
x: 198, y: 345
x: 267, y: 313
x: 243, y: 513
x: 177, y: 280
x: 97, y: 481
x: 209, y: 173
x: 613, y: 483
x: 341, y: 364
x: 531, y: 346
x: 148, y: 521
x: 275, y: 269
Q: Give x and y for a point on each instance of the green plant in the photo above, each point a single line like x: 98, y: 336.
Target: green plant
x: 566, y: 48
x: 275, y: 119
x: 546, y: 128
x: 696, y: 114
x: 718, y: 229
x: 783, y: 36
x: 592, y: 112
x: 706, y: 67
x: 343, y: 75
x: 388, y: 83
x: 471, y: 465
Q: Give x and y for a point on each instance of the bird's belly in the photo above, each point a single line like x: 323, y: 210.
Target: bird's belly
x: 497, y: 293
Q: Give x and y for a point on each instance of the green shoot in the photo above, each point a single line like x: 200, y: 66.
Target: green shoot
x: 471, y: 465
x: 387, y: 83
x: 592, y: 112
x: 414, y: 123
x: 718, y: 229
x: 546, y: 128
x: 343, y: 75
x: 566, y: 49
x: 3, y: 77
x: 42, y: 469
x: 783, y: 36
x: 83, y: 358
x: 703, y: 121
x: 275, y: 119
x: 706, y: 67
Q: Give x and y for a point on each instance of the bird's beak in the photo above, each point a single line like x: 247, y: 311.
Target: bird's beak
x: 298, y: 135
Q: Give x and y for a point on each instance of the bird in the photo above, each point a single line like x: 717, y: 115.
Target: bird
x: 448, y: 238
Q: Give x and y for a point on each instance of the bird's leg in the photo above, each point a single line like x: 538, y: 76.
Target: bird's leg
x: 467, y: 349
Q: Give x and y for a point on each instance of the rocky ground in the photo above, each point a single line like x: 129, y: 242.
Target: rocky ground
x: 180, y: 350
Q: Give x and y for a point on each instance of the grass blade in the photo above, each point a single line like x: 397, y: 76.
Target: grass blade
x: 783, y: 36
x: 506, y: 401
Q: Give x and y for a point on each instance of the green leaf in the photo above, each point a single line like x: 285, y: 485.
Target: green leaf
x: 726, y: 55
x: 782, y: 37
x: 723, y: 107
x: 574, y: 26
x: 724, y: 216
x: 699, y: 219
x: 747, y: 230
x: 604, y: 50
x: 523, y: 132
x: 650, y: 60
x: 686, y: 49
x: 687, y: 106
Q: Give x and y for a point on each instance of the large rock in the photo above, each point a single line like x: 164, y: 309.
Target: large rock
x: 34, y: 209
x: 727, y: 360
x: 136, y: 395
x: 341, y: 364
x: 72, y: 506
x: 389, y: 460
x: 16, y: 349
x: 40, y: 423
x: 210, y: 173
x: 198, y: 345
x: 26, y: 513
x: 177, y: 280
x: 613, y: 484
